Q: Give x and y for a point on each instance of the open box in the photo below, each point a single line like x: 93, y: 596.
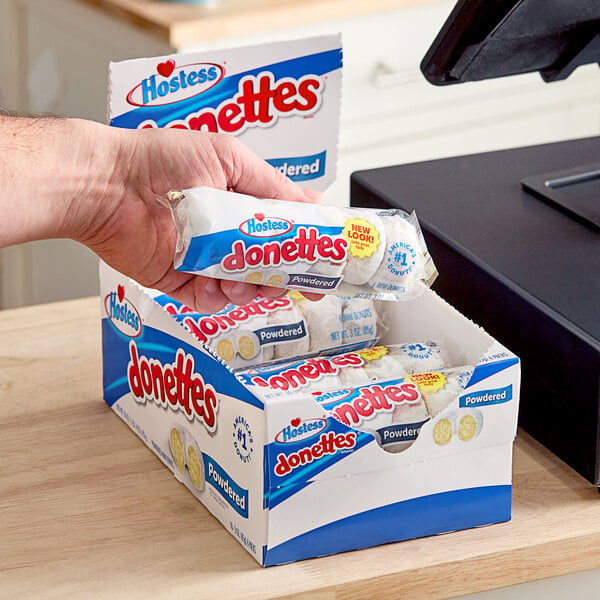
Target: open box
x: 329, y: 488
x: 287, y: 481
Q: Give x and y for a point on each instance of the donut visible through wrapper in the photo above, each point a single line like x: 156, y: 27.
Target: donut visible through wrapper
x: 195, y: 465
x: 406, y: 268
x: 177, y: 446
x: 255, y: 277
x: 226, y: 350
x: 442, y: 432
x: 367, y: 238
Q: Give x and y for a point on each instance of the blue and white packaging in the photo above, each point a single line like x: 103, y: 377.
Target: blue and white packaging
x: 284, y: 476
x: 281, y: 100
x: 357, y: 252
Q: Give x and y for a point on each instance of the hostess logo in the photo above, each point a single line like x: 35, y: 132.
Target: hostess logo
x: 298, y: 430
x: 332, y: 396
x: 173, y: 84
x: 261, y: 227
x: 122, y: 314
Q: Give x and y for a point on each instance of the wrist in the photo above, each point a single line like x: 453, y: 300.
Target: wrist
x: 58, y: 177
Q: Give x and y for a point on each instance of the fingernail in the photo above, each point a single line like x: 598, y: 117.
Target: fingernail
x: 312, y: 195
x: 212, y: 286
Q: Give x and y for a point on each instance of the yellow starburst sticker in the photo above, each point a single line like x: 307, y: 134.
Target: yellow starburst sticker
x: 428, y: 382
x: 374, y: 353
x: 362, y: 236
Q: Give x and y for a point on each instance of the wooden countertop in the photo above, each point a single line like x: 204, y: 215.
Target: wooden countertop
x: 181, y: 24
x: 86, y: 510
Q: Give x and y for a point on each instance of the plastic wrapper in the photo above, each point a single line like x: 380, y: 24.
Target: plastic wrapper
x: 353, y: 252
x: 348, y: 369
x: 267, y: 330
x: 395, y: 409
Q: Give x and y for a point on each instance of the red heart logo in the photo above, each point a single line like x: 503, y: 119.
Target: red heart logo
x: 120, y: 292
x: 166, y: 68
x: 295, y: 422
x: 259, y: 216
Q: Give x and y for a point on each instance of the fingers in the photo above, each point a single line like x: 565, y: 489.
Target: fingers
x: 272, y: 292
x: 247, y: 173
x: 238, y: 292
x: 207, y: 295
x: 312, y: 296
x: 203, y: 294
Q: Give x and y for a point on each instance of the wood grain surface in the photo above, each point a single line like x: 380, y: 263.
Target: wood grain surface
x: 87, y: 511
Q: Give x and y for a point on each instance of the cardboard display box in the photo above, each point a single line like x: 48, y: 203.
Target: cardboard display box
x: 332, y: 488
x: 288, y: 481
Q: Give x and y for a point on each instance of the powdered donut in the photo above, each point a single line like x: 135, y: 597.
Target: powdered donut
x: 323, y: 321
x: 403, y: 268
x: 420, y: 357
x: 225, y: 349
x: 439, y: 400
x: 386, y: 367
x: 177, y: 446
x: 364, y: 259
x: 195, y: 464
x: 353, y: 377
x: 248, y: 345
x: 254, y: 277
x: 276, y: 279
x: 359, y: 320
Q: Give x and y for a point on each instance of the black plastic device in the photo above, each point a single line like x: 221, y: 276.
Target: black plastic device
x: 527, y: 273
x: 484, y: 39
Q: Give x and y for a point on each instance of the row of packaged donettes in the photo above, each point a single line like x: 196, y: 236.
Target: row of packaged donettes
x: 326, y: 348
x: 329, y: 349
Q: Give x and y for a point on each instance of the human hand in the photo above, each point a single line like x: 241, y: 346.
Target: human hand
x: 112, y: 178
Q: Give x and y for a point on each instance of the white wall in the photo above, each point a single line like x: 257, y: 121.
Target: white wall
x: 10, y: 56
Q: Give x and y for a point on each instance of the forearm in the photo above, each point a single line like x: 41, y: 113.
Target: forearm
x: 56, y: 176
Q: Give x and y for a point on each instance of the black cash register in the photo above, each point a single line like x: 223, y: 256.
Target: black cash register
x: 515, y: 233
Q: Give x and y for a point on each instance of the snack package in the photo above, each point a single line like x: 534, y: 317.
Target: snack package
x: 355, y: 252
x: 395, y: 409
x: 281, y: 100
x: 347, y: 369
x: 277, y: 329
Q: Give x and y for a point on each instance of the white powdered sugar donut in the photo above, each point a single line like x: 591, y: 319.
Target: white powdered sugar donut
x: 439, y: 400
x: 323, y: 321
x: 404, y: 262
x: 367, y: 237
x: 352, y: 376
x: 359, y: 320
x: 421, y: 357
x: 327, y: 268
x: 385, y: 367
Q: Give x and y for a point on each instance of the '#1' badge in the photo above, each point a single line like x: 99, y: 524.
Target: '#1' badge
x: 243, y: 440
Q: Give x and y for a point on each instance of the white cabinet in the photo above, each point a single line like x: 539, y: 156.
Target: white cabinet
x: 390, y: 114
